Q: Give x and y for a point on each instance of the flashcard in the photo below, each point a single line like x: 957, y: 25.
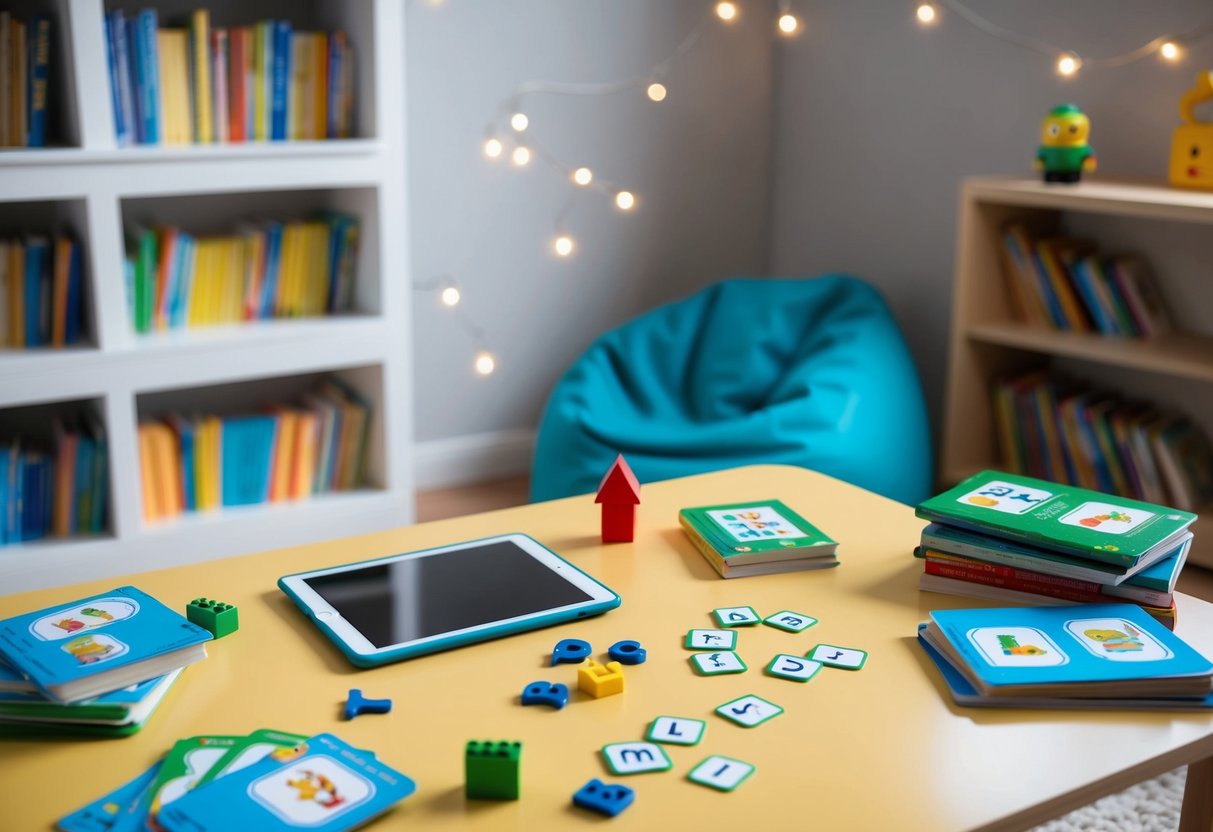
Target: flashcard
x: 676, y: 730
x: 711, y: 640
x: 1117, y: 640
x: 736, y: 616
x: 751, y: 522
x: 749, y: 711
x: 722, y: 773
x: 635, y: 757
x: 1016, y: 647
x: 186, y: 763
x: 248, y: 750
x: 104, y: 813
x: 845, y: 657
x: 322, y: 784
x: 796, y: 668
x: 793, y: 622
x: 713, y: 664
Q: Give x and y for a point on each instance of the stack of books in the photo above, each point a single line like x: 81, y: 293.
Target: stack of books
x: 289, y: 452
x: 25, y: 65
x: 268, y: 780
x: 268, y: 270
x: 203, y: 85
x: 1063, y: 284
x: 61, y: 490
x: 41, y: 287
x: 1086, y: 656
x: 761, y: 537
x: 1059, y: 430
x: 1008, y: 537
x: 99, y: 665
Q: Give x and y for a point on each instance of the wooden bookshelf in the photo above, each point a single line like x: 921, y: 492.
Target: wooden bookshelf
x: 102, y: 188
x: 987, y: 340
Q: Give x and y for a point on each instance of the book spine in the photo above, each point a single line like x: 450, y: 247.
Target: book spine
x: 237, y: 84
x: 280, y: 81
x: 114, y: 21
x: 220, y: 73
x: 200, y: 70
x: 1015, y: 559
x: 39, y: 75
x: 126, y: 90
x: 1039, y: 583
x: 6, y: 68
x: 333, y: 121
x: 147, y: 76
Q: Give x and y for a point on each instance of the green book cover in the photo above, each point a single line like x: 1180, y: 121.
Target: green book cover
x: 758, y: 531
x: 1064, y: 518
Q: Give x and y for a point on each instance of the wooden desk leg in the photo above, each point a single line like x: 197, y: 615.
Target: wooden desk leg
x: 1197, y: 812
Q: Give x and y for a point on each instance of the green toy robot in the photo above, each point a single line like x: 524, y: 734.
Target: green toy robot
x: 1064, y: 153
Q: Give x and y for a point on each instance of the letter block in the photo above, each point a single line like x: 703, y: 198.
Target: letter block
x: 600, y: 680
x: 492, y: 770
x: 218, y: 618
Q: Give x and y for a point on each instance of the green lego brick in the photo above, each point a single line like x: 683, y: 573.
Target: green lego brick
x: 218, y: 618
x: 492, y: 770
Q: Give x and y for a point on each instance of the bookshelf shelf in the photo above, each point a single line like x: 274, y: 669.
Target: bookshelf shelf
x: 987, y: 341
x: 99, y: 191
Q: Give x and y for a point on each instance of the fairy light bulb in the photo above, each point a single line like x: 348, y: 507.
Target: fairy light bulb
x: 726, y: 11
x: 1169, y: 50
x: 563, y: 245
x: 926, y: 14
x: 1068, y: 64
x: 519, y: 121
x: 485, y: 363
x: 521, y: 156
x: 625, y: 200
x: 493, y: 148
x: 788, y: 24
x: 583, y: 176
x: 656, y: 91
x: 450, y: 296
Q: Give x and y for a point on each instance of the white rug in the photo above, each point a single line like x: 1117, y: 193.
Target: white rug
x: 1152, y: 806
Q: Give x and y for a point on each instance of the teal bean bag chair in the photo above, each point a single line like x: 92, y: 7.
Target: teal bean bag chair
x: 810, y: 372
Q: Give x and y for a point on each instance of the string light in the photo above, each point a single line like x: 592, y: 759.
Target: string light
x: 926, y: 14
x: 1169, y: 50
x: 583, y: 176
x: 788, y: 24
x: 656, y: 91
x: 450, y: 296
x: 1068, y: 64
x: 519, y: 121
x: 493, y: 148
x: 521, y: 156
x: 563, y: 245
x: 485, y: 362
x: 625, y: 200
x: 726, y: 11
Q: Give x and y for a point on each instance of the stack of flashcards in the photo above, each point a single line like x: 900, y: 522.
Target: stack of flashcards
x: 1080, y: 656
x: 268, y: 780
x: 97, y: 665
x: 757, y: 538
x: 1008, y: 537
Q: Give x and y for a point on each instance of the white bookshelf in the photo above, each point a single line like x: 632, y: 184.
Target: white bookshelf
x: 89, y: 185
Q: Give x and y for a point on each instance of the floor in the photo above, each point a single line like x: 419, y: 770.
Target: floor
x: 487, y: 496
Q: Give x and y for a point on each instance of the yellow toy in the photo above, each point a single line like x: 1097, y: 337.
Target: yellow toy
x: 1192, y: 142
x: 1064, y: 154
x: 600, y: 680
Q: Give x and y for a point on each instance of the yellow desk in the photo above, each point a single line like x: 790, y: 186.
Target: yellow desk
x: 877, y: 749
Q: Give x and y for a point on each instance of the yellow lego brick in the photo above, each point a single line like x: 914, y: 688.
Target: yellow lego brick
x: 600, y: 680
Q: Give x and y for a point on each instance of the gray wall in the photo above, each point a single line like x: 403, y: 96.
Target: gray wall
x: 700, y: 163
x: 877, y: 121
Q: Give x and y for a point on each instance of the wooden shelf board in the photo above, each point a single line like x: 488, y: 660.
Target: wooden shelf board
x: 188, y: 153
x: 255, y: 333
x: 1180, y: 354
x: 1145, y: 198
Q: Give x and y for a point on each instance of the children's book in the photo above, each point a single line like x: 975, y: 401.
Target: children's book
x: 129, y: 706
x: 1103, y: 651
x: 85, y: 648
x: 963, y: 693
x: 738, y: 537
x: 322, y: 784
x: 1064, y: 518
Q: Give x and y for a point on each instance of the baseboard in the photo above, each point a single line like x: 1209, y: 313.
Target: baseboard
x: 460, y: 460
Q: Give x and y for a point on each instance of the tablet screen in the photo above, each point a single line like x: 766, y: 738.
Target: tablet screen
x: 417, y: 597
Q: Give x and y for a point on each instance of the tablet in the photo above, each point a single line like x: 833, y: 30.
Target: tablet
x: 407, y: 605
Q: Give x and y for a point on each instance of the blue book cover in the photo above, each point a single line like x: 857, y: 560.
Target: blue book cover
x: 187, y: 247
x: 147, y: 76
x: 336, y: 54
x: 5, y: 495
x: 85, y: 648
x: 323, y: 785
x: 185, y: 440
x: 32, y: 507
x: 71, y: 325
x: 1047, y: 647
x: 38, y: 77
x: 97, y: 508
x: 1084, y: 280
x: 17, y: 491
x: 121, y: 128
x: 106, y: 812
x: 273, y: 265
x: 248, y: 443
x: 280, y: 74
x: 37, y: 250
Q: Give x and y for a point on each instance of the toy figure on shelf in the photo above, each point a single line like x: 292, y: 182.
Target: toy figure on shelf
x: 1064, y: 153
x: 1192, y: 142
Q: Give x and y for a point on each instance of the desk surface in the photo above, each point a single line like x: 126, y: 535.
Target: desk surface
x: 881, y: 748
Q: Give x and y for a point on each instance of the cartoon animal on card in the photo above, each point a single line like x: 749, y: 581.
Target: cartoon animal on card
x: 314, y: 786
x: 1114, y: 641
x: 70, y: 625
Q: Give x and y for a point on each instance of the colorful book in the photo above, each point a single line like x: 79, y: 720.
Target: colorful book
x: 39, y: 79
x: 1141, y: 295
x: 147, y: 76
x: 129, y: 707
x: 1065, y: 518
x: 85, y: 648
x: 760, y: 534
x: 1104, y: 651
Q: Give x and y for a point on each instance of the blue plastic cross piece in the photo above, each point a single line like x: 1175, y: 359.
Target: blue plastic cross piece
x: 359, y: 704
x: 546, y: 693
x: 628, y: 652
x: 599, y: 797
x: 571, y: 650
